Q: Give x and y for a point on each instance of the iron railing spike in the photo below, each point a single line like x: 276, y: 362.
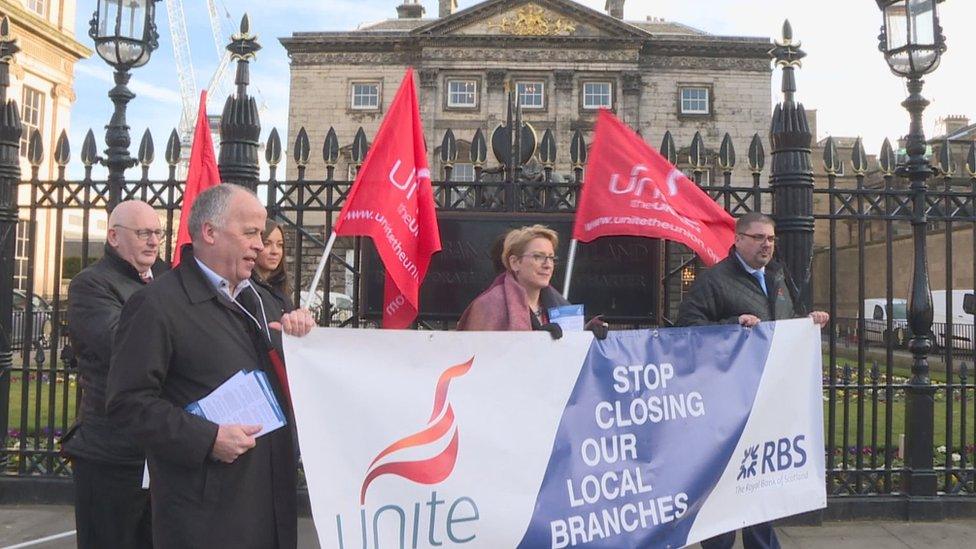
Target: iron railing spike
x: 174, y: 149
x: 147, y: 150
x: 272, y: 150
x: 757, y: 154
x: 89, y: 150
x: 62, y: 151
x: 35, y: 148
x: 301, y: 148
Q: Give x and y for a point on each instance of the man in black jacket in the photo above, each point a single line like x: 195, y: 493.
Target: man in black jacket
x: 745, y: 288
x: 178, y: 340
x: 111, y: 508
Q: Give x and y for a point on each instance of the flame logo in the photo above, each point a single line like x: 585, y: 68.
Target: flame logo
x: 431, y: 470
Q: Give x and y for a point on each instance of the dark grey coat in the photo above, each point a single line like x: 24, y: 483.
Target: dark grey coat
x: 95, y: 299
x: 727, y: 290
x: 178, y: 340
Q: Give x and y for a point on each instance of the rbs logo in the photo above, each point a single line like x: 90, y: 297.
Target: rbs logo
x: 777, y: 455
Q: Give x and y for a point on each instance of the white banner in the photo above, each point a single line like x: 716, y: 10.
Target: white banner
x: 509, y: 439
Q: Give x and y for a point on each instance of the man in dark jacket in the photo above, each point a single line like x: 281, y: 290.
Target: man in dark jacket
x: 111, y: 508
x: 178, y: 340
x: 745, y: 288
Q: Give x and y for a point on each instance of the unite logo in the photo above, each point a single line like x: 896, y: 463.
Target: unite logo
x: 432, y: 521
x: 434, y: 469
x: 410, y: 183
x: 637, y: 182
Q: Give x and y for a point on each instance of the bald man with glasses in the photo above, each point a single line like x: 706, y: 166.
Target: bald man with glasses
x: 746, y: 288
x: 111, y: 508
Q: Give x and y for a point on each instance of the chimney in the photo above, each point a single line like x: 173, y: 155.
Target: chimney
x: 410, y: 9
x: 954, y: 123
x: 615, y: 8
x: 446, y: 8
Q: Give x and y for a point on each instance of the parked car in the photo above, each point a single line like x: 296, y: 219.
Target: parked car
x: 41, y: 326
x: 877, y: 311
x: 341, y: 306
x: 961, y: 316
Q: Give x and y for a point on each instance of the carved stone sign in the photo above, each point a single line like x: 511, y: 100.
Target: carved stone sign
x: 533, y: 21
x: 617, y: 276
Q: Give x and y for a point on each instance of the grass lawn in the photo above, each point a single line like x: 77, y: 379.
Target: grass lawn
x: 897, y: 421
x: 54, y: 418
x: 870, y: 422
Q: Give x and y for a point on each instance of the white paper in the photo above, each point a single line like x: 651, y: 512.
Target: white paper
x: 569, y: 317
x: 245, y: 399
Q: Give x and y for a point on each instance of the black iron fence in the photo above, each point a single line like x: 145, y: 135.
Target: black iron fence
x: 867, y: 369
x: 866, y: 360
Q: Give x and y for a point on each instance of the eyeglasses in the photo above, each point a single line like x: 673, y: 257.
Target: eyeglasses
x: 144, y: 234
x: 760, y: 238
x: 541, y: 259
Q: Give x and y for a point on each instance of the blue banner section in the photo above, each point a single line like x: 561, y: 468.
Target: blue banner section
x: 648, y: 430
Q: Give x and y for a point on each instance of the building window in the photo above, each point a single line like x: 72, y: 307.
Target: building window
x: 32, y: 116
x: 20, y: 254
x: 531, y: 94
x: 37, y: 6
x: 366, y: 95
x: 695, y: 100
x: 462, y: 94
x: 597, y: 95
x: 463, y: 172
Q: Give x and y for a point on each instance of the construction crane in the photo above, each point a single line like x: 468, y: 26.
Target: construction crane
x: 219, y: 85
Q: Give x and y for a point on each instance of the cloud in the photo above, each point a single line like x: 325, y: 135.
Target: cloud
x: 139, y: 87
x: 843, y: 77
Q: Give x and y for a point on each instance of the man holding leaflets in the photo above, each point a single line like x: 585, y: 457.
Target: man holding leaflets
x: 179, y: 339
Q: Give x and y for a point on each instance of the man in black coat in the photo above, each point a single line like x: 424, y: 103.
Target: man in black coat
x: 178, y: 340
x: 745, y: 288
x: 111, y: 507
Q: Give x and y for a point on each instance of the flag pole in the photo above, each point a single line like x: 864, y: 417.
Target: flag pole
x: 569, y: 268
x: 318, y: 272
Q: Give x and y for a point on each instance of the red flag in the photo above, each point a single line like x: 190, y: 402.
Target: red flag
x: 630, y: 189
x: 202, y: 175
x: 391, y: 201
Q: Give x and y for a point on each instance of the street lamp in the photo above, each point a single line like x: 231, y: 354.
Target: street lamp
x: 911, y: 37
x: 125, y: 36
x: 912, y: 42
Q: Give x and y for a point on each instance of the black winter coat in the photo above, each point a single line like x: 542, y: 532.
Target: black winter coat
x: 178, y: 340
x: 727, y: 290
x: 95, y: 299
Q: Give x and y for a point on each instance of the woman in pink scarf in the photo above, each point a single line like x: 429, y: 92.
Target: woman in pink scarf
x: 520, y: 298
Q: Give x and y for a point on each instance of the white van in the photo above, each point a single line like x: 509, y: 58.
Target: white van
x: 961, y: 315
x: 876, y: 313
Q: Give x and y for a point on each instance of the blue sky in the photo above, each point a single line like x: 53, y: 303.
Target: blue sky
x: 844, y: 76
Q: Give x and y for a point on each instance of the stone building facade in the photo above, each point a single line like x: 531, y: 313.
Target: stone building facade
x: 564, y: 60
x: 42, y: 83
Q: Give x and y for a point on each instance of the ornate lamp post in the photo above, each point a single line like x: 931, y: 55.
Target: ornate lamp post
x: 125, y: 36
x: 10, y: 129
x: 912, y: 43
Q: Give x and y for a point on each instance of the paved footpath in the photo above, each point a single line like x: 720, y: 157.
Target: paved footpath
x: 52, y: 527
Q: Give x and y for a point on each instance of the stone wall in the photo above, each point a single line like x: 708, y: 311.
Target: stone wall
x: 875, y: 268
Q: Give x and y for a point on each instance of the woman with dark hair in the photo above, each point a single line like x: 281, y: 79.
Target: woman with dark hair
x: 520, y: 298
x: 269, y: 267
